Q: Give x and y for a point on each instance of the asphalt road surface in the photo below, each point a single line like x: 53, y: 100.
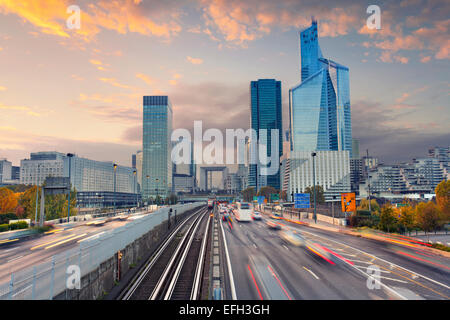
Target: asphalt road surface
x: 328, y: 265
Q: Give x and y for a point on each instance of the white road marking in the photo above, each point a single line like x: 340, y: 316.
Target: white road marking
x: 314, y: 275
x: 365, y: 268
x: 348, y: 254
x: 360, y: 261
x: 24, y: 289
x: 375, y: 257
x: 16, y: 258
x: 285, y: 247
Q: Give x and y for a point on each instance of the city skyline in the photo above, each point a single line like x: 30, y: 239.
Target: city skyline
x: 67, y: 90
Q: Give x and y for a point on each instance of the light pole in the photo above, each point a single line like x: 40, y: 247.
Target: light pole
x: 69, y: 155
x: 157, y: 185
x: 368, y: 179
x: 115, y: 167
x: 313, y: 154
x: 135, y: 187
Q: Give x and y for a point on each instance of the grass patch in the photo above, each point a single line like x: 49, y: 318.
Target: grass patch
x: 440, y: 247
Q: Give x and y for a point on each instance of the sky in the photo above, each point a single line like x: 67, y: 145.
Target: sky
x: 80, y: 90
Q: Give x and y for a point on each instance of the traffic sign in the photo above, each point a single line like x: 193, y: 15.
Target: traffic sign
x: 301, y: 200
x: 348, y: 201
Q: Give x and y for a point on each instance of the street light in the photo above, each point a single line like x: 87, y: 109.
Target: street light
x: 69, y: 155
x: 115, y: 167
x: 157, y: 185
x: 313, y: 154
x: 135, y: 187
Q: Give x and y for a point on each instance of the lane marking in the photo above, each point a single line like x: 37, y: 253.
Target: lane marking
x: 91, y: 237
x: 286, y: 247
x: 399, y: 267
x: 53, y: 241
x: 64, y: 241
x: 365, y: 268
x: 8, y: 240
x: 16, y: 258
x: 230, y: 271
x: 254, y: 281
x: 279, y: 282
x: 314, y: 275
x: 360, y: 261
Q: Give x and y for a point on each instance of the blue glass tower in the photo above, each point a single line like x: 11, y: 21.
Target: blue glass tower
x: 156, y: 143
x: 265, y: 105
x: 320, y: 118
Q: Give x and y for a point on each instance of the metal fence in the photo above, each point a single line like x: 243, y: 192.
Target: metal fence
x: 49, y: 278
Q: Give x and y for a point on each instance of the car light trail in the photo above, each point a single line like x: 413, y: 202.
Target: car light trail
x: 425, y: 260
x: 254, y: 281
x: 279, y: 282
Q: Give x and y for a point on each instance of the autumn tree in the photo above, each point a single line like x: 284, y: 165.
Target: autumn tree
x: 427, y: 216
x: 8, y: 201
x: 388, y: 219
x: 364, y: 205
x: 407, y: 217
x: 443, y: 199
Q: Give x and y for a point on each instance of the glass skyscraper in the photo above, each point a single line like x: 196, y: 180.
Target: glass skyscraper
x: 265, y: 104
x: 156, y: 161
x: 320, y: 116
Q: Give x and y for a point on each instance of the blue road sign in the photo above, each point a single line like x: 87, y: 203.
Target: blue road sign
x: 261, y: 199
x: 301, y: 200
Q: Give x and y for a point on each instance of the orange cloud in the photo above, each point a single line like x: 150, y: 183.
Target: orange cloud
x: 122, y: 16
x: 145, y: 78
x: 115, y: 83
x: 194, y: 60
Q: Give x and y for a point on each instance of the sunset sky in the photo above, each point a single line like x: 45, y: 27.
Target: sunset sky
x: 81, y: 90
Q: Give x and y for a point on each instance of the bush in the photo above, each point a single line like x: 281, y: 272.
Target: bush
x: 4, y: 227
x: 4, y: 218
x: 18, y: 225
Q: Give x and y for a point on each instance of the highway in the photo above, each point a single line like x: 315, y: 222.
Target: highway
x: 22, y: 254
x: 335, y: 266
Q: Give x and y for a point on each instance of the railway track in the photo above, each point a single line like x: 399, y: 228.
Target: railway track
x: 174, y: 272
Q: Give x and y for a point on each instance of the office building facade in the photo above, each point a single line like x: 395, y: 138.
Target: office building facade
x: 156, y: 147
x: 266, y: 113
x: 320, y: 118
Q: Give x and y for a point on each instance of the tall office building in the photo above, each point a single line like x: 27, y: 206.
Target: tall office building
x: 156, y: 147
x: 320, y: 117
x: 5, y: 170
x: 265, y: 100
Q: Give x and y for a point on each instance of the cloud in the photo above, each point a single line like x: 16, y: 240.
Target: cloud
x: 2, y: 88
x: 122, y: 16
x: 194, y: 60
x: 385, y: 132
x: 115, y: 83
x: 148, y: 80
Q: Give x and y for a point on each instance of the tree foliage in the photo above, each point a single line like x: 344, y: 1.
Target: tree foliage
x: 388, y: 219
x: 320, y: 197
x: 374, y: 206
x: 266, y: 192
x: 427, y: 216
x: 443, y: 199
x: 8, y: 201
x: 248, y: 194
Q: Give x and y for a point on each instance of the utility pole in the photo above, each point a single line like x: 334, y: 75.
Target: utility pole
x: 69, y: 155
x: 314, y: 186
x: 368, y: 179
x: 115, y: 167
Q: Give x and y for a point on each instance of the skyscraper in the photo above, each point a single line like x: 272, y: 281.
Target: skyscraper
x: 156, y: 143
x: 265, y: 100
x: 320, y: 117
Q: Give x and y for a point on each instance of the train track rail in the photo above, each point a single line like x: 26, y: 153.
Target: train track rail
x: 175, y: 270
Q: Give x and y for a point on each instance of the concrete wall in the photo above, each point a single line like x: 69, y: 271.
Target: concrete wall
x: 100, y: 282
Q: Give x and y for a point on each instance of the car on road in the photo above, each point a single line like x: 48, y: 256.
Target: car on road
x: 273, y: 224
x: 256, y: 215
x: 293, y: 238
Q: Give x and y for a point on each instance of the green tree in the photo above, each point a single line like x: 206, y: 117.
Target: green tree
x: 248, y: 194
x: 364, y: 205
x: 387, y: 218
x: 172, y: 199
x: 320, y: 198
